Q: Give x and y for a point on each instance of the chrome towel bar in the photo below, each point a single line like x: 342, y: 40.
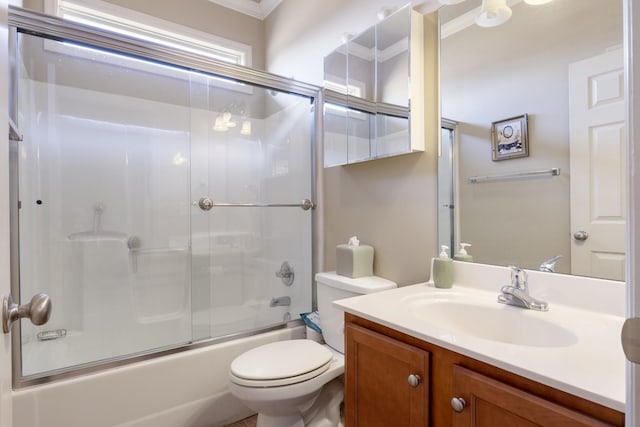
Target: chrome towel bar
x: 515, y: 175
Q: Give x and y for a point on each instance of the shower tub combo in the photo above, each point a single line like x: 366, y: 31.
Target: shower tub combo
x: 164, y: 201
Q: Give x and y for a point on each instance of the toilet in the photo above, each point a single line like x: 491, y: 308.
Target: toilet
x: 298, y: 383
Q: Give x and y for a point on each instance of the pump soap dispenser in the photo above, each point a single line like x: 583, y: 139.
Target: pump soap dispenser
x: 463, y: 255
x: 443, y: 269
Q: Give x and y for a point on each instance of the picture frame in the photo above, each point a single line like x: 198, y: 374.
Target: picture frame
x: 509, y: 138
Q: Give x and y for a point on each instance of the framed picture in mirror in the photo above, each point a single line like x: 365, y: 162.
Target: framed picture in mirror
x: 509, y: 138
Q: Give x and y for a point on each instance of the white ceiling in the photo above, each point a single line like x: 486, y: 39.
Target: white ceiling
x: 257, y: 8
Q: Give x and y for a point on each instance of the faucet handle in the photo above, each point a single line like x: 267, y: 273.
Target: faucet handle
x: 518, y: 278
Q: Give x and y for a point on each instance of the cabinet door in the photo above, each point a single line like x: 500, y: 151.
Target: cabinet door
x: 378, y: 389
x: 492, y: 403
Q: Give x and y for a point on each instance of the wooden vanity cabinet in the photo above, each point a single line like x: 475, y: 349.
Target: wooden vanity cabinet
x: 386, y: 381
x: 377, y: 391
x: 492, y: 403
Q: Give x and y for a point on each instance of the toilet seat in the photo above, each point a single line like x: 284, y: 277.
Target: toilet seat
x: 280, y: 381
x: 280, y: 363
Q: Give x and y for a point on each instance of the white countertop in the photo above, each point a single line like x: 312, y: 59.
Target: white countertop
x: 591, y: 364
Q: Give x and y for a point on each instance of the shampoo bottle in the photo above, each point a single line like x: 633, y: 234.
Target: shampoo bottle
x: 443, y: 269
x: 463, y: 255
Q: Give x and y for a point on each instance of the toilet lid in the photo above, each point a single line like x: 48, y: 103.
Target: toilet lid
x: 280, y: 381
x: 282, y: 360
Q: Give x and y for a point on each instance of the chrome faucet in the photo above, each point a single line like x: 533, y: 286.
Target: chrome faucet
x: 550, y: 265
x: 280, y: 301
x: 518, y: 292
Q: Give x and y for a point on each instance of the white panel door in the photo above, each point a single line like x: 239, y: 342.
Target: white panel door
x: 598, y: 172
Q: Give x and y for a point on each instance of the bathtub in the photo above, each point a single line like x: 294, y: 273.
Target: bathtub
x: 179, y: 390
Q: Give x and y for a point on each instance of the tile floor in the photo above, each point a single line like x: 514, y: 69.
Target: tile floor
x: 247, y: 422
x: 251, y: 421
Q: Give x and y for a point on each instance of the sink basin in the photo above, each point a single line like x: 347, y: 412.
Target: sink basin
x: 495, y: 322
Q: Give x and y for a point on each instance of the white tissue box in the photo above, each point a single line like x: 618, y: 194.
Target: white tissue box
x: 354, y: 261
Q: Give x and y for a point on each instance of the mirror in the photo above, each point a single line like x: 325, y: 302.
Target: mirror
x: 349, y: 110
x: 392, y: 59
x: 361, y: 95
x: 361, y: 68
x: 368, y: 85
x: 560, y: 64
x: 393, y: 62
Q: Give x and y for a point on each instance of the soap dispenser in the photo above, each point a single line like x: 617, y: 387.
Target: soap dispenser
x: 463, y: 255
x: 443, y: 269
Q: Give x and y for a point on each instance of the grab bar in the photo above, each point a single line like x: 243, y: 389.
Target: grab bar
x: 143, y: 251
x: 135, y: 247
x: 528, y: 174
x: 135, y: 250
x: 206, y: 204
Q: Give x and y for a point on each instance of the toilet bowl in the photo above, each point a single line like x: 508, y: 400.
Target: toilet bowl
x: 291, y: 382
x: 298, y: 383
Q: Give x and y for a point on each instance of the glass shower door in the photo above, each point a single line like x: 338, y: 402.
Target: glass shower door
x: 251, y: 239
x: 104, y: 208
x: 159, y: 206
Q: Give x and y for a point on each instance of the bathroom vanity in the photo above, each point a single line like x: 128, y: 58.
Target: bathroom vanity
x: 378, y: 391
x: 420, y: 356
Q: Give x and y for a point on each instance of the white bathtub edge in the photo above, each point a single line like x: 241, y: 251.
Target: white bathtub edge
x: 182, y: 389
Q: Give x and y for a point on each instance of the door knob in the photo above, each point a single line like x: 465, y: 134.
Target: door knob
x: 581, y: 235
x: 38, y: 310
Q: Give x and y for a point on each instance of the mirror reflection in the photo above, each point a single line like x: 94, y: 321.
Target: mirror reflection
x: 367, y: 84
x: 560, y: 64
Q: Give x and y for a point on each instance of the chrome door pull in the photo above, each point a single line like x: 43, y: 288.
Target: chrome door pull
x: 38, y: 310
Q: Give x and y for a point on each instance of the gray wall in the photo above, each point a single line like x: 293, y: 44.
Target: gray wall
x: 388, y: 203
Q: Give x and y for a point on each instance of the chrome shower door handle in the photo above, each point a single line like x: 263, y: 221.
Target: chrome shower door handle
x: 38, y: 310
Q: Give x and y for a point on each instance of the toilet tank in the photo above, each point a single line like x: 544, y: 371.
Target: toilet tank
x: 332, y: 287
